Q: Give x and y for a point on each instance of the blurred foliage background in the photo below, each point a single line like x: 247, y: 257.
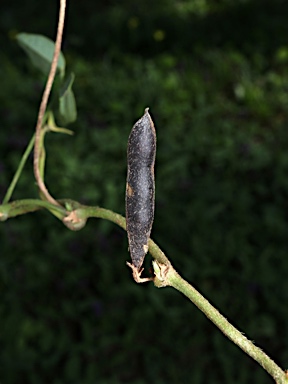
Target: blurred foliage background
x: 215, y: 76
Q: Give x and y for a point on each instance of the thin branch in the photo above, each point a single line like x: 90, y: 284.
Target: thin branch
x: 75, y: 217
x: 43, y: 105
x: 21, y: 207
x: 19, y: 171
x: 169, y: 277
x: 84, y: 212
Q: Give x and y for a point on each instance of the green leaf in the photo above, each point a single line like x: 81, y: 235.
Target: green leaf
x: 67, y: 103
x: 40, y: 50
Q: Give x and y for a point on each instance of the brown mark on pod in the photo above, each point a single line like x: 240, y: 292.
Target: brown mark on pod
x: 140, y: 191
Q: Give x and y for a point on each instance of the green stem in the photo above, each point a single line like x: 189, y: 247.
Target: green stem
x: 19, y: 170
x: 76, y: 214
x: 20, y: 207
x: 171, y: 278
x: 84, y: 212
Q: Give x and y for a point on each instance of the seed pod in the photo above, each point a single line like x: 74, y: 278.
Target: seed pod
x: 140, y: 187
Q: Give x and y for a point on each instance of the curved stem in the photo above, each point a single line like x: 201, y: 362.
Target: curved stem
x: 85, y: 212
x: 43, y: 105
x: 165, y: 274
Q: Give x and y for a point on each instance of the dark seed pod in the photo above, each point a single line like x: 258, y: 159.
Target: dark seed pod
x: 140, y: 187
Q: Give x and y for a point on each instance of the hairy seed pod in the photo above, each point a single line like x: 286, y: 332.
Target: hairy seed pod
x: 140, y: 187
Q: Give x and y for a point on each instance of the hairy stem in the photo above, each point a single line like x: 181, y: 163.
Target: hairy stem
x: 173, y: 279
x: 165, y: 274
x: 169, y: 277
x: 43, y: 106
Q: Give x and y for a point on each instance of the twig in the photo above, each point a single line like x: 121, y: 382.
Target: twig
x: 165, y: 274
x: 21, y: 207
x: 43, y: 105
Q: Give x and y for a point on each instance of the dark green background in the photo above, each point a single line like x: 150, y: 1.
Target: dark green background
x: 217, y: 88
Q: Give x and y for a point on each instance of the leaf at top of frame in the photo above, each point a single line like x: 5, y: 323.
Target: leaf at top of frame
x: 40, y: 50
